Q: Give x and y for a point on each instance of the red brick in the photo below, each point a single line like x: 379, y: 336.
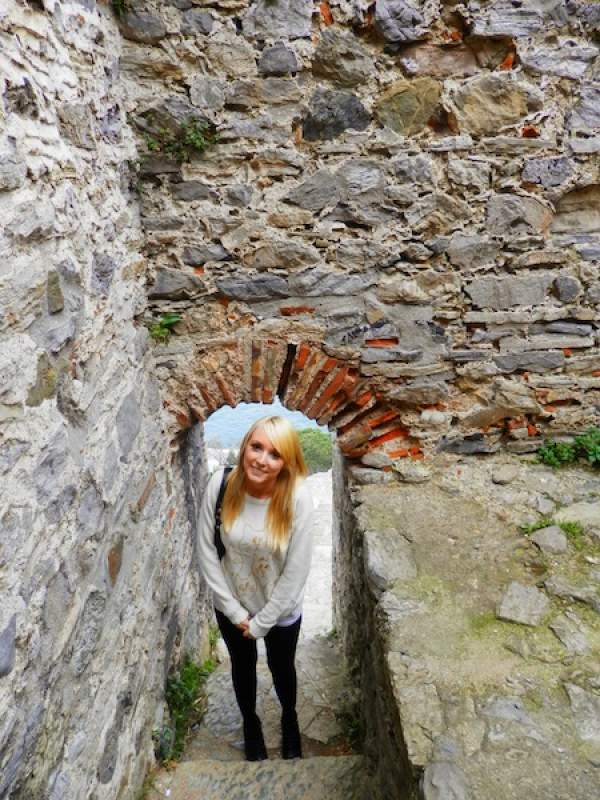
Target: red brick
x: 295, y: 311
x: 383, y: 418
x: 382, y: 342
x: 397, y: 433
x: 330, y: 390
x: 227, y: 396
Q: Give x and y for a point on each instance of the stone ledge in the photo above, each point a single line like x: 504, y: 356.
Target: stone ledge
x: 469, y: 705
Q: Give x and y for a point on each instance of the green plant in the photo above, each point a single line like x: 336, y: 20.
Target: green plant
x: 214, y: 634
x: 162, y: 329
x: 575, y: 533
x: 556, y: 454
x: 119, y: 7
x: 317, y: 449
x: 192, y: 137
x: 584, y: 447
x: 587, y: 446
x: 185, y: 703
x: 532, y: 527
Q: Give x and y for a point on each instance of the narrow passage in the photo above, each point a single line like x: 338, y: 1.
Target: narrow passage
x: 213, y: 765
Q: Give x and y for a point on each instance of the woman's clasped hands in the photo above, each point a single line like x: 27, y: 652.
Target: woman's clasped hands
x: 244, y: 626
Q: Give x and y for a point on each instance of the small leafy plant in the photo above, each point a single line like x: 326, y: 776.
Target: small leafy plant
x: 119, y: 7
x: 193, y: 137
x: 185, y: 703
x: 162, y: 329
x: 574, y: 531
x: 585, y: 447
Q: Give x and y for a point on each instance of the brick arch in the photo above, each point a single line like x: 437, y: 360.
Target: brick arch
x: 327, y: 389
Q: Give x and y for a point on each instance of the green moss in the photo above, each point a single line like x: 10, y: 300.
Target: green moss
x: 574, y: 532
x: 532, y: 527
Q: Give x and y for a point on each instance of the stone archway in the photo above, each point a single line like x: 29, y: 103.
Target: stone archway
x: 305, y: 378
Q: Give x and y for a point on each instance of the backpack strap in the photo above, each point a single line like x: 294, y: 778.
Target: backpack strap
x: 218, y: 540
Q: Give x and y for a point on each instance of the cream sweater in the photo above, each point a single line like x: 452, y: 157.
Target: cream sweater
x: 252, y: 580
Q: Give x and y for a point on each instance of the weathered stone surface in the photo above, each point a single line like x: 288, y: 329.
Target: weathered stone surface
x: 512, y: 214
x: 254, y: 287
x: 415, y: 169
x: 103, y: 270
x: 45, y: 382
x: 196, y: 21
x: 282, y: 253
x: 566, y: 58
x: 505, y: 474
x: 498, y: 293
x: 534, y: 361
x: 388, y: 557
x: 443, y: 780
x: 410, y: 471
x: 567, y: 629
x: 586, y: 113
x: 197, y: 255
x: 175, y: 284
x: 504, y: 18
x: 561, y: 587
x: 523, y: 604
x: 317, y: 192
x: 400, y: 20
x: 586, y: 513
x: 341, y: 58
x: 437, y: 212
x: 188, y: 191
x: 552, y: 171
x: 567, y: 288
x: 578, y: 211
x: 319, y: 280
x: 286, y: 19
x: 406, y: 106
x: 468, y: 445
x: 32, y: 222
x: 471, y: 173
x: 277, y: 60
x: 206, y: 93
x: 471, y: 251
x: 7, y: 647
x: 550, y: 539
x: 54, y: 295
x: 331, y: 113
x: 142, y: 27
x: 439, y: 62
x: 12, y: 172
x: 128, y: 423
x: 586, y: 711
x: 485, y: 104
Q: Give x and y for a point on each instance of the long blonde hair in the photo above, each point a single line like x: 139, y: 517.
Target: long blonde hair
x: 281, y: 505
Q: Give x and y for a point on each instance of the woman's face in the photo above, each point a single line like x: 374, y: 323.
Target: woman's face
x: 262, y: 463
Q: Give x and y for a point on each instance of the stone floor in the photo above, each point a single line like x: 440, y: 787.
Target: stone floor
x: 202, y: 772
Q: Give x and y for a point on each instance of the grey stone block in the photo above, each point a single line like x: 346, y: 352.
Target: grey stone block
x: 468, y: 445
x: 332, y: 112
x: 103, y: 269
x: 254, y: 287
x: 523, y: 604
x: 277, y: 60
x: 129, y: 420
x: 531, y: 361
x: 191, y: 190
x: 548, y: 172
x: 317, y: 192
x: 399, y: 21
x: 505, y: 292
x: 196, y: 255
x: 7, y: 647
x: 142, y: 27
x: 89, y: 631
x: 286, y: 19
x: 341, y: 57
x: 443, y: 780
x: 197, y: 21
x: 175, y: 284
x: 12, y: 172
x: 550, y: 539
x: 567, y: 288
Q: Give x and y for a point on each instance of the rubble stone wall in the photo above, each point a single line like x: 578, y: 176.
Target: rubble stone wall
x: 99, y: 592
x: 394, y: 226
x: 409, y: 187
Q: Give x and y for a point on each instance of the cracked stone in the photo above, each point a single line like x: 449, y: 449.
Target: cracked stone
x: 406, y: 106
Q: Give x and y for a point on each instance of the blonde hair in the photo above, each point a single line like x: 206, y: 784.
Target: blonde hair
x: 281, y: 504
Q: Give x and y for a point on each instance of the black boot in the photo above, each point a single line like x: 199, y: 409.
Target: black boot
x: 254, y: 743
x: 291, y: 746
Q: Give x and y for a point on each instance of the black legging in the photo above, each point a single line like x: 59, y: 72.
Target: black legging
x: 281, y: 643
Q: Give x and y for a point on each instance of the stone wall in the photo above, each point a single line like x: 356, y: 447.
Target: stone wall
x: 408, y: 189
x: 474, y: 644
x: 99, y: 591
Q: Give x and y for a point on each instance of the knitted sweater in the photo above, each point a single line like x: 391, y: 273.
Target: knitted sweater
x: 252, y: 580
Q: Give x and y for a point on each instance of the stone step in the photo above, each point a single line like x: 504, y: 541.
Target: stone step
x: 333, y: 778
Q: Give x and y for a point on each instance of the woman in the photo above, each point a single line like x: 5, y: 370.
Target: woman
x: 258, y: 586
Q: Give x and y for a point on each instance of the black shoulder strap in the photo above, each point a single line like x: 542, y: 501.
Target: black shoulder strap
x: 218, y: 540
